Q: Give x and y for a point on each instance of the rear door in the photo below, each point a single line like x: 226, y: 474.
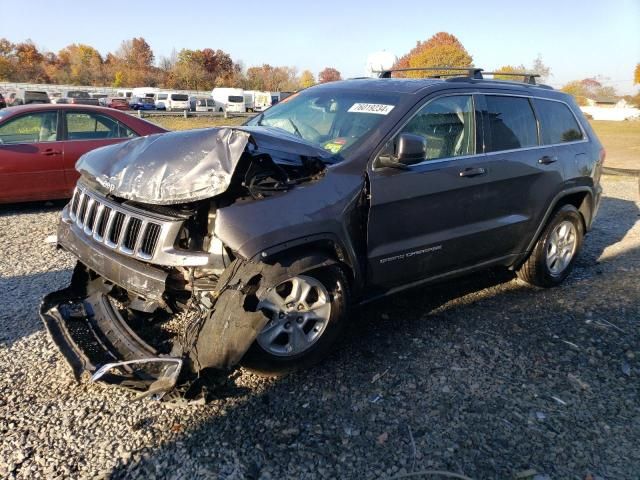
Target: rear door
x: 85, y: 130
x: 31, y: 157
x: 532, y: 172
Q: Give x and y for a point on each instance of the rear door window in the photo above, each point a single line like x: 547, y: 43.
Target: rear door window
x: 557, y: 122
x: 31, y: 128
x: 95, y: 126
x: 511, y: 122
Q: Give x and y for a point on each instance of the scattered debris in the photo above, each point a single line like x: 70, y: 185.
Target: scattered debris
x: 540, y: 415
x: 382, y: 438
x: 626, y: 368
x: 576, y: 382
x: 559, y: 400
x: 375, y: 398
x: 51, y: 239
x: 378, y: 376
x: 525, y: 474
x: 571, y: 344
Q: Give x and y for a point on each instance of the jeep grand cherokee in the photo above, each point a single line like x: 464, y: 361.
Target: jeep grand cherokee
x: 203, y: 249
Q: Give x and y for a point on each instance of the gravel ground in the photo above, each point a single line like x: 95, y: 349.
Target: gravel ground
x: 483, y: 376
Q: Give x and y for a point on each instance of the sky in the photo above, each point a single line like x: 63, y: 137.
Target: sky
x: 577, y: 39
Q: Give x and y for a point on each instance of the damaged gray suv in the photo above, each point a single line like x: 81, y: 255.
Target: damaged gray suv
x: 204, y: 249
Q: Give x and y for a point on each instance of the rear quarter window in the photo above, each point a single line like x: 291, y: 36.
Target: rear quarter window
x: 557, y: 122
x: 512, y: 123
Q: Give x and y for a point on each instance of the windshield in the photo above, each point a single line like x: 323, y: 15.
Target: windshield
x: 236, y: 99
x: 77, y: 94
x: 333, y: 120
x: 179, y: 97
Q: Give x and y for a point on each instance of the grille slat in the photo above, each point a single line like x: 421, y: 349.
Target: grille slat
x: 114, y: 226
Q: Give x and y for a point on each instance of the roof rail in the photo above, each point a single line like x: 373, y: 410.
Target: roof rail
x: 465, y: 72
x: 529, y: 78
x: 470, y: 72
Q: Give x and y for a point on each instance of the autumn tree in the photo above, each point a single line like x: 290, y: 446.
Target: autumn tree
x: 7, y: 62
x: 77, y: 64
x: 29, y: 62
x: 588, y: 88
x: 329, y: 74
x: 307, y: 79
x: 133, y: 62
x: 636, y: 75
x: 442, y: 49
x: 271, y: 79
x: 509, y: 69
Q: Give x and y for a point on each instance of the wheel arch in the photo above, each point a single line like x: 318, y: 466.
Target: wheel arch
x: 579, y: 197
x: 313, y: 252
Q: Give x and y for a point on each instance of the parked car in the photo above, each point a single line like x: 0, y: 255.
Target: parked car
x: 54, y: 96
x: 172, y: 101
x: 26, y: 97
x: 260, y: 238
x: 256, y: 101
x: 142, y: 103
x: 229, y: 99
x: 202, y: 104
x: 118, y: 103
x: 40, y: 144
x: 3, y: 103
x: 77, y: 97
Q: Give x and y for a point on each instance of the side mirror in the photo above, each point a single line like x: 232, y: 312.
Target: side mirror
x: 411, y: 149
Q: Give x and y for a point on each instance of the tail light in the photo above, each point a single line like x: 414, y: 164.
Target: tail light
x: 603, y: 154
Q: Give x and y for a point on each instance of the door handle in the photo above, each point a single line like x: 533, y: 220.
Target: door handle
x: 51, y: 151
x: 546, y: 160
x: 473, y: 172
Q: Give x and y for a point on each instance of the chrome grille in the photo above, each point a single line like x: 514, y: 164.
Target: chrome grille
x: 113, y: 225
x: 129, y: 230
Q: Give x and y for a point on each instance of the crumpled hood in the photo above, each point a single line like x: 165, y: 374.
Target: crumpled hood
x: 167, y: 168
x: 188, y: 165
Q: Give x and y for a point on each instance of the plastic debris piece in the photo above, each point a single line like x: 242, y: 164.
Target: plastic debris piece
x: 626, y: 368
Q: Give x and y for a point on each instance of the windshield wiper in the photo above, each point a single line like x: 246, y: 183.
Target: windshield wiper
x: 295, y: 128
x: 260, y: 117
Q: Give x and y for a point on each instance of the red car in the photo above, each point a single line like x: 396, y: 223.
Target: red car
x: 118, y: 103
x: 39, y: 146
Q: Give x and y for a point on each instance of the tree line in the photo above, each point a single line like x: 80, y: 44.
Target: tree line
x: 134, y: 64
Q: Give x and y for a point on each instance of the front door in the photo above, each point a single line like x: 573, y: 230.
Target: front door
x: 31, y: 158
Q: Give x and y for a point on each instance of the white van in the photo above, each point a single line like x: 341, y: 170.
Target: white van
x: 229, y: 99
x: 256, y: 101
x: 203, y: 104
x: 145, y: 92
x: 172, y: 101
x: 124, y: 93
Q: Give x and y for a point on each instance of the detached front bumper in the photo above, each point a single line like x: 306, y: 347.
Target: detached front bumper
x: 92, y: 336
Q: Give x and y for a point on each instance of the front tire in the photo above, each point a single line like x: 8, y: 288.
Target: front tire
x: 555, y: 252
x: 307, y: 315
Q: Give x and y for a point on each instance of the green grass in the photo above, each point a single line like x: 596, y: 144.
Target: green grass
x: 621, y: 140
x: 181, y: 123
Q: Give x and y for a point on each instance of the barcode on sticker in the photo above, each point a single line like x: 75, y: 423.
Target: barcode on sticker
x: 378, y: 108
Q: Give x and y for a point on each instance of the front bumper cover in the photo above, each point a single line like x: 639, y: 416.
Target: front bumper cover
x: 93, y: 337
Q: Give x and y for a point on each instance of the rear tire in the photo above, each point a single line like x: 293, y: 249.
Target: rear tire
x: 555, y: 252
x: 272, y: 359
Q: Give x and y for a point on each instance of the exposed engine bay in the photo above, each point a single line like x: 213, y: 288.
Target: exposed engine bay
x: 156, y: 298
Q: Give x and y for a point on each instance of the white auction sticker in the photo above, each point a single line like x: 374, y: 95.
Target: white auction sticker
x: 378, y: 108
